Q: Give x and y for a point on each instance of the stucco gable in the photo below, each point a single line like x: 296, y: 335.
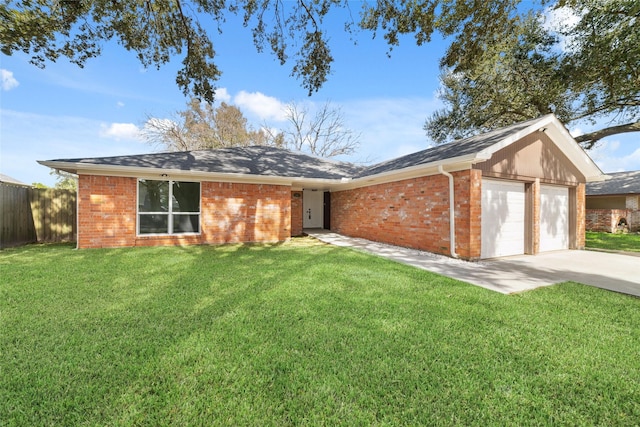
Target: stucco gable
x: 533, y: 156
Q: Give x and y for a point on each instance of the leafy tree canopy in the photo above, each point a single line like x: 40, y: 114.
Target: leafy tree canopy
x: 502, y: 63
x: 582, y: 72
x: 64, y: 180
x: 203, y: 126
x: 157, y: 30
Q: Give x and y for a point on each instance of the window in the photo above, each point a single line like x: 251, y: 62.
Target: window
x: 168, y: 207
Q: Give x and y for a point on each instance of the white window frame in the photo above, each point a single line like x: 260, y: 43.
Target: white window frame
x: 170, y: 212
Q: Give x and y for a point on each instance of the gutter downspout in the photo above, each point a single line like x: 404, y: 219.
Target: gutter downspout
x: 452, y: 213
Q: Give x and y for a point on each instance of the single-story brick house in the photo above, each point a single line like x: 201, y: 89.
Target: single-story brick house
x: 515, y: 190
x: 614, y: 204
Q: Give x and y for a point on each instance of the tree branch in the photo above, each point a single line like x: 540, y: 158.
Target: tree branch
x: 588, y: 140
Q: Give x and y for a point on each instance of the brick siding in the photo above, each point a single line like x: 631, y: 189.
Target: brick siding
x: 296, y: 213
x: 413, y: 213
x: 106, y: 211
x: 606, y: 220
x: 230, y: 213
x: 580, y: 216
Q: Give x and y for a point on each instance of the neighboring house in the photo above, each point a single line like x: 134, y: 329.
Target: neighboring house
x: 6, y: 179
x: 614, y: 205
x: 516, y: 190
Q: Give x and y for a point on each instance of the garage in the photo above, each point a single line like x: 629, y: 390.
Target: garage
x: 503, y: 218
x: 554, y: 218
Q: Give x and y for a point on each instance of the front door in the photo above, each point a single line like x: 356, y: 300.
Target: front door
x: 327, y: 210
x: 312, y: 209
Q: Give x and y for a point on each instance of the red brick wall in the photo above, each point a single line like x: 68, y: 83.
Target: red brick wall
x: 581, y: 215
x: 605, y: 219
x: 475, y: 211
x: 413, y: 213
x: 229, y: 213
x: 106, y: 211
x: 245, y: 213
x: 296, y: 213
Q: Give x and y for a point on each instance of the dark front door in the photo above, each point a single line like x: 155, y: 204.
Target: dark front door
x: 327, y: 210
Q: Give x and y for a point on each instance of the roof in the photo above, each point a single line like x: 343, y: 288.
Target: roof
x: 456, y: 149
x: 277, y: 165
x: 255, y: 160
x: 617, y: 183
x: 8, y: 180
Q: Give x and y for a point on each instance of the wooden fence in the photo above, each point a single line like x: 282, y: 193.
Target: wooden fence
x: 29, y: 215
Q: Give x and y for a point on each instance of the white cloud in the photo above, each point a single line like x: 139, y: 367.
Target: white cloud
x: 561, y: 20
x: 263, y: 106
x: 608, y: 157
x: 576, y: 132
x: 119, y: 131
x: 28, y: 137
x: 120, y: 104
x: 222, y: 95
x: 8, y: 81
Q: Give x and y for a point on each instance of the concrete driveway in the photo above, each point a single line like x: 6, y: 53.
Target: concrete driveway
x: 616, y: 272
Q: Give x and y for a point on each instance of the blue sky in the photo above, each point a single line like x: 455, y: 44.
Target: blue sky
x: 65, y: 111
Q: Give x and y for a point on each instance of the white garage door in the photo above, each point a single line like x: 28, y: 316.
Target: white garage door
x: 503, y: 207
x: 554, y: 218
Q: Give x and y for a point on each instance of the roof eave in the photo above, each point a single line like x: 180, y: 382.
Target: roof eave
x: 161, y: 173
x: 431, y: 168
x: 451, y: 165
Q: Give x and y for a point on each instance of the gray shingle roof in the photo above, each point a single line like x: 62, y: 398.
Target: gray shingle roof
x: 458, y: 148
x: 8, y: 180
x: 277, y: 162
x: 257, y: 160
x: 619, y: 183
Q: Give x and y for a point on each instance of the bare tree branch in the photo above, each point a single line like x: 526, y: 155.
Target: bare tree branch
x: 588, y: 140
x: 324, y: 135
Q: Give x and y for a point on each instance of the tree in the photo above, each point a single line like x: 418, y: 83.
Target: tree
x: 598, y: 73
x: 323, y: 134
x: 525, y: 74
x: 202, y: 126
x: 65, y: 180
x: 157, y: 30
x: 508, y: 83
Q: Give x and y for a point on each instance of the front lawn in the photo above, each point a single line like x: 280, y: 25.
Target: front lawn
x: 611, y: 241
x: 301, y: 334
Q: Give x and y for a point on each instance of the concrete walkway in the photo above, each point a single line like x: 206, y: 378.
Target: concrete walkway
x: 616, y: 272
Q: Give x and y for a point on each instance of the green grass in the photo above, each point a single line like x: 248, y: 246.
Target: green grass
x: 611, y: 241
x: 300, y: 334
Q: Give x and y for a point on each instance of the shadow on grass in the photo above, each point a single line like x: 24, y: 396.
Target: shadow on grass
x: 295, y: 334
